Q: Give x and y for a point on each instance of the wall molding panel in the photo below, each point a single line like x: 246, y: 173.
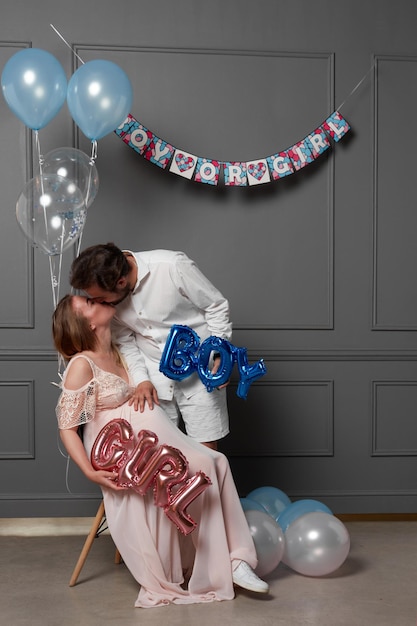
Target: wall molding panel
x: 301, y: 426
x: 18, y: 411
x: 308, y: 309
x: 394, y: 429
x: 318, y: 267
x: 394, y: 214
x: 16, y: 254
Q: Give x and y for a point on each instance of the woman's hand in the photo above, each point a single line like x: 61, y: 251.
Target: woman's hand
x: 144, y: 392
x: 105, y: 479
x: 75, y: 449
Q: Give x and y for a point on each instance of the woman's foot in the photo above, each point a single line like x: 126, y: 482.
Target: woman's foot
x: 245, y: 577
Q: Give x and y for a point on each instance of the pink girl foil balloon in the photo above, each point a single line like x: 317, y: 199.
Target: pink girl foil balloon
x: 142, y: 464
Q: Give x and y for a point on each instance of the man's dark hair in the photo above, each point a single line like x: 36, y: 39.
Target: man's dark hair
x: 102, y: 265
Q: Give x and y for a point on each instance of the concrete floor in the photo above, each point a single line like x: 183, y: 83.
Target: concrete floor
x: 377, y: 584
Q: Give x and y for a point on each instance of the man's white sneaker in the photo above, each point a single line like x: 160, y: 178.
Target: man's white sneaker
x: 245, y: 577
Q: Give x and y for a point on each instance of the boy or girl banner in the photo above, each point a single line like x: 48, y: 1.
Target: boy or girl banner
x: 235, y: 173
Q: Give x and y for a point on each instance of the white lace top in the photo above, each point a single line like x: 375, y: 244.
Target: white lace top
x: 104, y: 391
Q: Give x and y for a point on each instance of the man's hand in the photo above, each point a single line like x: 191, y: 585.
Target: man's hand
x: 144, y: 392
x: 216, y: 365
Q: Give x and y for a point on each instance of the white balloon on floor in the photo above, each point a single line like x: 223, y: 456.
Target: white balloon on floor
x: 268, y: 538
x: 316, y: 544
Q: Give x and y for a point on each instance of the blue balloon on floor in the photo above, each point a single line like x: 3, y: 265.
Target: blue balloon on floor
x: 251, y: 505
x: 273, y: 500
x: 299, y: 508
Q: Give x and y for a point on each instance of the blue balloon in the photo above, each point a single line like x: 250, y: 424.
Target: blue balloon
x: 251, y: 505
x: 299, y: 508
x: 248, y: 373
x: 272, y: 499
x: 225, y: 349
x: 34, y: 86
x: 178, y: 360
x: 99, y: 97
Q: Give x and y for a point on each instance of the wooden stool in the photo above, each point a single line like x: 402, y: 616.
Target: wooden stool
x: 95, y: 530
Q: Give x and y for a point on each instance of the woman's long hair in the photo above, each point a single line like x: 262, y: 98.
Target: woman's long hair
x: 71, y: 331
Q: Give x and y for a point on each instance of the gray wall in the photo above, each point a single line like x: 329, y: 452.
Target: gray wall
x: 319, y: 267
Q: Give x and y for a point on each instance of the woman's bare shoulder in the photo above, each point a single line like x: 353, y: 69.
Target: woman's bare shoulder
x: 79, y: 371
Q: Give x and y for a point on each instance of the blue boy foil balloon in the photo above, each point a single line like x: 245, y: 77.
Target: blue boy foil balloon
x: 221, y: 376
x: 99, y: 97
x: 178, y: 358
x: 182, y: 355
x: 248, y: 373
x: 34, y: 86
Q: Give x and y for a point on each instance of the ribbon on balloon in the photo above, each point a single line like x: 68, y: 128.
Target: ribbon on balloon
x: 235, y: 173
x: 141, y: 464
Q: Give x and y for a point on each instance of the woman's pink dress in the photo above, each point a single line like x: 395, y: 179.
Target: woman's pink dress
x: 155, y: 551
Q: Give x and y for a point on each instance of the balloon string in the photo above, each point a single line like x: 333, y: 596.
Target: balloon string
x: 93, y: 152
x: 356, y: 88
x: 67, y: 464
x: 55, y: 279
x: 58, y: 286
x: 42, y: 198
x: 90, y: 173
x: 41, y: 160
x: 67, y: 475
x: 79, y: 245
x: 67, y: 44
x: 93, y: 157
